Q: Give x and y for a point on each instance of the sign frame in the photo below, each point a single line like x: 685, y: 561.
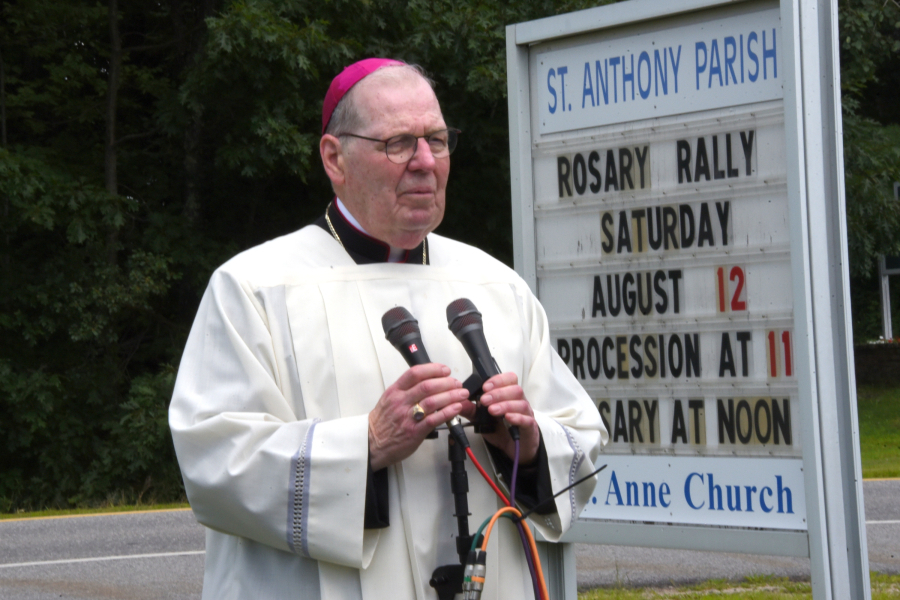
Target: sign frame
x: 835, y: 540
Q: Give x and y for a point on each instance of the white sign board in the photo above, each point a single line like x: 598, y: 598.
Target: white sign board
x: 667, y: 173
x: 701, y: 491
x: 723, y: 62
x: 663, y: 258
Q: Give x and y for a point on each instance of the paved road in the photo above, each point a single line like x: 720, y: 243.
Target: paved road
x: 140, y: 556
x: 154, y: 556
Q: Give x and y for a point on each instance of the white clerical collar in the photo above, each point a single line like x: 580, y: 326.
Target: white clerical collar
x: 396, y: 255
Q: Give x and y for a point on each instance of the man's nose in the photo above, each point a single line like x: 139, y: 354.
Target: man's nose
x: 423, y: 159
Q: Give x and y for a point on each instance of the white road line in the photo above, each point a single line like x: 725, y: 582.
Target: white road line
x: 41, y: 563
x: 882, y: 522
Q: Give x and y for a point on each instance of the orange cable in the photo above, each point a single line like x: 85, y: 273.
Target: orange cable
x: 534, y: 552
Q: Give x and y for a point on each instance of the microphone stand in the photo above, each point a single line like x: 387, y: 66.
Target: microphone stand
x: 447, y: 580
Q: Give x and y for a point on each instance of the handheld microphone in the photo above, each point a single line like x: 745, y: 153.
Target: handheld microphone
x: 402, y: 330
x: 465, y: 322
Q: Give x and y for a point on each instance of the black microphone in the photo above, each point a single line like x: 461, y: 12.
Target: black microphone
x: 466, y: 324
x: 402, y: 330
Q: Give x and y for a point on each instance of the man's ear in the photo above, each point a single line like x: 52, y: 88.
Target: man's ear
x: 333, y: 160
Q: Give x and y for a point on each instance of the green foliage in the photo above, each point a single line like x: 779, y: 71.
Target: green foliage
x: 870, y: 49
x: 871, y: 166
x: 879, y: 431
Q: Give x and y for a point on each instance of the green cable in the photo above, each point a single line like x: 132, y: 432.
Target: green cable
x: 507, y: 515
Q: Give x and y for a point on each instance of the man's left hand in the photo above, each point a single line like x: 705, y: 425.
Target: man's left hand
x: 504, y: 398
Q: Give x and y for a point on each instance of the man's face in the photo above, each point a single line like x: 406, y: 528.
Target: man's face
x: 398, y: 204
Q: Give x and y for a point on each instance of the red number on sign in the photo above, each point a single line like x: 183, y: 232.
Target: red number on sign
x: 736, y: 302
x: 788, y: 360
x: 720, y: 275
x: 786, y: 340
x: 773, y: 357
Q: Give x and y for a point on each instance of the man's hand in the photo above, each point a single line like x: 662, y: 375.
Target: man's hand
x: 393, y: 432
x: 505, y: 398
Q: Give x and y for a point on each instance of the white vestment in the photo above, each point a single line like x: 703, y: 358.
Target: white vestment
x: 285, y: 360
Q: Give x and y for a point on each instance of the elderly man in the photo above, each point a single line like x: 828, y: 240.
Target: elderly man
x: 300, y: 431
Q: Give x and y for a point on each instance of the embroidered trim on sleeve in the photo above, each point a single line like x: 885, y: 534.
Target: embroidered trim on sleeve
x: 577, y: 459
x: 298, y: 499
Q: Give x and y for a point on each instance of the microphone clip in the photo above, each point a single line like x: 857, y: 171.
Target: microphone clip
x: 483, y: 421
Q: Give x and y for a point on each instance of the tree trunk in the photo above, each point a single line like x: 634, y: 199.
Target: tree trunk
x: 5, y: 261
x: 192, y: 168
x: 193, y: 135
x: 2, y: 102
x: 112, y: 98
x: 110, y: 167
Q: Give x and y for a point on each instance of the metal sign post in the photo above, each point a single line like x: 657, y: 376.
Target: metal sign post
x: 678, y: 208
x: 887, y: 266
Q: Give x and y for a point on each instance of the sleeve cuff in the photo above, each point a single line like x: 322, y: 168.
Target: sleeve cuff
x: 533, y: 486
x: 377, y: 515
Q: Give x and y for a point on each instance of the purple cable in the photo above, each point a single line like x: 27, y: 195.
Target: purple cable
x: 512, y: 489
x: 521, y: 526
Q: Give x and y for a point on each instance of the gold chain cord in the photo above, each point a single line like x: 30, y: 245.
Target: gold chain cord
x: 338, y: 238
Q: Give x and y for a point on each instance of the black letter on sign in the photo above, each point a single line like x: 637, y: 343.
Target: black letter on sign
x: 717, y: 173
x: 675, y: 276
x: 686, y: 215
x: 579, y: 174
x: 624, y: 233
x: 606, y: 221
x: 702, y: 161
x: 608, y: 370
x: 744, y: 337
x: 612, y: 179
x: 670, y: 226
x: 578, y: 357
x: 726, y: 420
x: 641, y: 158
x: 634, y: 421
x: 731, y: 171
x: 593, y: 358
x: 723, y: 208
x: 678, y: 427
x: 726, y: 358
x: 562, y: 348
x: 593, y: 158
x: 781, y: 418
x: 747, y: 143
x: 743, y: 407
x: 621, y: 429
x: 634, y: 347
x: 650, y: 407
x: 692, y: 354
x: 625, y: 162
x: 598, y: 305
x: 563, y: 170
x: 684, y: 161
x: 706, y: 234
x: 621, y: 358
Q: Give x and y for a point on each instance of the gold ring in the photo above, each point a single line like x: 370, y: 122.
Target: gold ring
x: 418, y: 413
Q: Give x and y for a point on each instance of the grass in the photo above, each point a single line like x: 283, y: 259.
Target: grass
x: 884, y: 587
x: 879, y: 431
x: 92, y: 511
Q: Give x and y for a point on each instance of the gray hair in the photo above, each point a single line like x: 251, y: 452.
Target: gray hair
x: 346, y: 117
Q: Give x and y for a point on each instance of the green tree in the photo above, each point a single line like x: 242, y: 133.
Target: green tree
x: 870, y: 57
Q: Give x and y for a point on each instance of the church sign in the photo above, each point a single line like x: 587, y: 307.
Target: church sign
x: 661, y: 208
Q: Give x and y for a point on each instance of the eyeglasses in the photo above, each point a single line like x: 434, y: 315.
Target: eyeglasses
x: 401, y: 148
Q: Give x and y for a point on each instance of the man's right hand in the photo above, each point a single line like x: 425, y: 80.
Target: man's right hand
x: 393, y: 432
